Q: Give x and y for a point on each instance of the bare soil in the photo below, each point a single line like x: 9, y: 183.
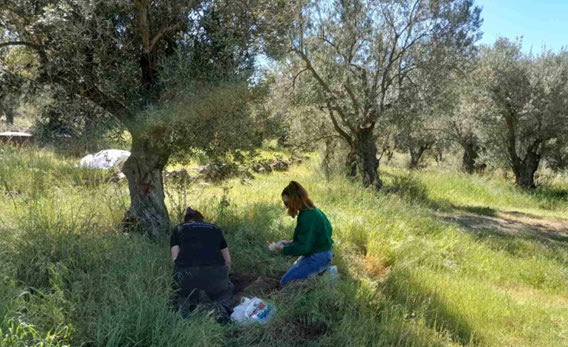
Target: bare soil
x: 250, y: 284
x: 511, y: 223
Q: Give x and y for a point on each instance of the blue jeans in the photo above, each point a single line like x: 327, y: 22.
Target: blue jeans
x: 312, y: 264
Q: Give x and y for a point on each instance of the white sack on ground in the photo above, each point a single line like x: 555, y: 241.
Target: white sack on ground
x: 105, y: 159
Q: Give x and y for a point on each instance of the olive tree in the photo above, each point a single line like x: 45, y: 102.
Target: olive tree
x: 357, y: 55
x: 424, y: 101
x: 138, y: 59
x: 526, y: 106
x: 462, y: 124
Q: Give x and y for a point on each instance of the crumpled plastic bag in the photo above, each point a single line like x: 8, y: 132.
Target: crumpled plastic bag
x: 252, y: 311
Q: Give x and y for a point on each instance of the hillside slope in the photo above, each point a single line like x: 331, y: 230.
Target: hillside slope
x: 435, y: 259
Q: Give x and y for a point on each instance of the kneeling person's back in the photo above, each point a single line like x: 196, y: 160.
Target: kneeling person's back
x: 202, y: 261
x: 199, y: 243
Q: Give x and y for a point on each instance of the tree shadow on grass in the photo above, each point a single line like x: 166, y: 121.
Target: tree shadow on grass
x: 510, y: 231
x: 510, y: 235
x: 406, y: 291
x: 509, y: 226
x: 409, y: 188
x: 476, y: 219
x: 309, y: 312
x: 519, y: 234
x: 544, y: 192
x: 479, y: 210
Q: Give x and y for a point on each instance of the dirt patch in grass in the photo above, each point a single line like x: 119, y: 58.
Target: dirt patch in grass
x: 242, y: 280
x: 511, y: 223
x: 375, y: 266
x: 251, y: 284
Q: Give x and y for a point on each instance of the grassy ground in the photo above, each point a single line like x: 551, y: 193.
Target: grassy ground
x: 435, y: 259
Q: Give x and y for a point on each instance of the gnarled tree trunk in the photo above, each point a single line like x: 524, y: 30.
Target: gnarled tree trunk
x: 366, y: 150
x: 416, y: 155
x: 143, y: 169
x: 524, y: 170
x: 351, y: 162
x: 470, y: 154
x: 439, y: 156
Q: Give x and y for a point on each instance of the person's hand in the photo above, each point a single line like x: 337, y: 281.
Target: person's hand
x: 278, y: 246
x: 274, y: 246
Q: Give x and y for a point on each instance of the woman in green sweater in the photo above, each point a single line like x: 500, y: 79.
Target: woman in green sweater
x: 312, y: 236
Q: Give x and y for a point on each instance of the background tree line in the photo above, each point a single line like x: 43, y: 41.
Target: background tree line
x: 366, y: 76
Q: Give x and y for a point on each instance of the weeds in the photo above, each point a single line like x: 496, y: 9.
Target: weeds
x: 407, y: 276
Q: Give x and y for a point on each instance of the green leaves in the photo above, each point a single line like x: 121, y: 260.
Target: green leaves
x: 527, y: 105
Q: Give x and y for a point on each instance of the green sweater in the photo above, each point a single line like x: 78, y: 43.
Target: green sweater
x: 312, y: 234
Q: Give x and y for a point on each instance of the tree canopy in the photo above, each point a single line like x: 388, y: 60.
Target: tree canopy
x: 525, y: 106
x: 359, y: 55
x: 136, y: 59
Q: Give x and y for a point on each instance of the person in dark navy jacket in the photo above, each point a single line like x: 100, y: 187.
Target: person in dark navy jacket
x: 201, y: 264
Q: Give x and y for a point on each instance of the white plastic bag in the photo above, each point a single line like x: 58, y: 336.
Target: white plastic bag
x: 251, y: 311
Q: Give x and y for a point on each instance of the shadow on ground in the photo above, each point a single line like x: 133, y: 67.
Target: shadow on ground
x: 512, y: 224
x: 511, y: 231
x: 481, y: 219
x: 404, y: 290
x: 249, y: 228
x: 311, y: 312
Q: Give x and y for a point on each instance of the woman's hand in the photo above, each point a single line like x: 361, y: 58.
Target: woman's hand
x: 278, y: 246
x: 282, y: 243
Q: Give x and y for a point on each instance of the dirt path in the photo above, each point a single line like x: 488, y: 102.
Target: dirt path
x: 512, y: 223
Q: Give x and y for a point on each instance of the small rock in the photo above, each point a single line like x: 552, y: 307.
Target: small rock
x: 280, y: 165
x: 177, y: 174
x: 116, y: 177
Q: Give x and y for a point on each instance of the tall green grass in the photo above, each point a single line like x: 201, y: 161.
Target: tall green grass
x: 69, y: 276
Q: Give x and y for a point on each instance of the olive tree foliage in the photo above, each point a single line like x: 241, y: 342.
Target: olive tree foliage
x: 463, y: 127
x: 58, y: 112
x: 423, y: 103
x: 526, y: 107
x: 412, y: 136
x: 357, y: 55
x: 173, y: 73
x: 304, y: 125
x: 462, y: 123
x: 273, y: 109
x: 296, y: 105
x: 16, y: 65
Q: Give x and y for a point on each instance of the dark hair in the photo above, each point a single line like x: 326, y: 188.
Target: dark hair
x: 192, y: 215
x: 297, y: 198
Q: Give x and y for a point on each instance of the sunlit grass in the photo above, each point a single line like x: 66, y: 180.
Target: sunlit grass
x: 407, y: 275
